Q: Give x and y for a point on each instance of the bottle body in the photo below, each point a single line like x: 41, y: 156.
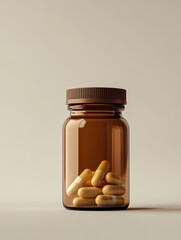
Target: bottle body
x: 91, y: 137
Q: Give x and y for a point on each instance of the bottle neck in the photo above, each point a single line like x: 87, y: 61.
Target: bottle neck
x: 96, y: 110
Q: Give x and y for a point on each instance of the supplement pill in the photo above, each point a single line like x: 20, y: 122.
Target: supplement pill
x: 79, y: 182
x: 113, y: 190
x: 100, y: 173
x: 114, y: 178
x: 109, y: 200
x: 89, y: 192
x: 78, y: 201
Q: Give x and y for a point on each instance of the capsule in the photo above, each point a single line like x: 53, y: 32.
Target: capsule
x: 114, y: 178
x: 79, y: 182
x: 78, y: 202
x: 100, y: 173
x: 109, y: 200
x: 113, y: 190
x: 89, y: 184
x: 89, y: 192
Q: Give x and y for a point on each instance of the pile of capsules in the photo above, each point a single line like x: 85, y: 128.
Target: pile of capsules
x: 101, y: 188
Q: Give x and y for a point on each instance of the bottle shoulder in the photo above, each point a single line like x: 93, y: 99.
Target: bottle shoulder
x: 95, y: 122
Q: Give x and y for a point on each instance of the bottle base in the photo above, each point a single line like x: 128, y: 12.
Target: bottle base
x: 116, y: 208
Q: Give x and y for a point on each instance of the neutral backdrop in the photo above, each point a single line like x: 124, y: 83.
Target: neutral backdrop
x: 49, y: 46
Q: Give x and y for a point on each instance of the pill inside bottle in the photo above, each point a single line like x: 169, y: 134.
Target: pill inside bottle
x: 100, y: 173
x: 86, y: 192
x: 114, y: 178
x: 78, y: 182
x: 109, y: 200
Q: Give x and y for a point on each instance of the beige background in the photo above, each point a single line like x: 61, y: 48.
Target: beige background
x: 49, y: 46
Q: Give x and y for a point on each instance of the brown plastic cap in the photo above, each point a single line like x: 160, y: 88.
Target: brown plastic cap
x: 96, y: 95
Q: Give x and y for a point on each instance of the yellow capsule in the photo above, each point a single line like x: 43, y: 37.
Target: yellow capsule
x: 113, y: 190
x: 89, y: 192
x: 89, y: 184
x: 78, y: 201
x: 109, y: 200
x: 114, y: 178
x: 79, y: 182
x: 101, y: 184
x: 100, y: 173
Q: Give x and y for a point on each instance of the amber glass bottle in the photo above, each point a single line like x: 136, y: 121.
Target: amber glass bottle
x: 96, y: 150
